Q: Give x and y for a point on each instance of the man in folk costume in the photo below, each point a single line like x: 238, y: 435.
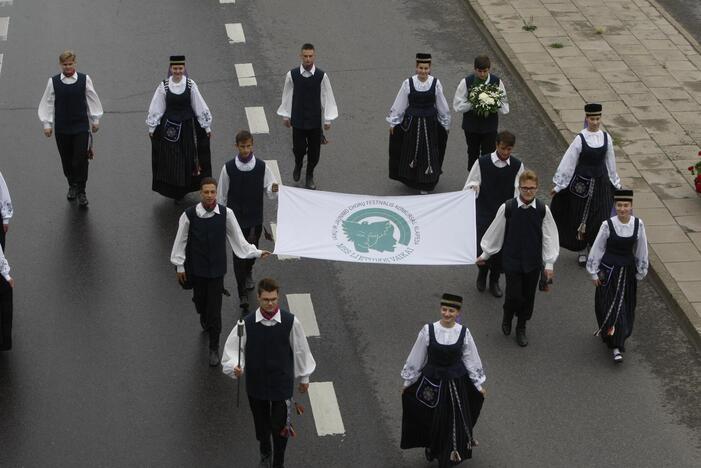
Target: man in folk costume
x: 6, y: 210
x: 524, y: 231
x: 70, y: 109
x: 7, y: 284
x: 199, y: 256
x: 617, y: 261
x: 584, y: 185
x: 307, y: 105
x: 275, y: 353
x: 480, y: 131
x: 495, y: 179
x: 442, y: 395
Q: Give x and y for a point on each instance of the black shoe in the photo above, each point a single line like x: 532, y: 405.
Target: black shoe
x: 297, y: 173
x: 82, y: 199
x: 310, y: 183
x: 521, y: 337
x: 506, y: 327
x: 266, y: 461
x: 482, y: 280
x: 213, y: 358
x: 429, y: 455
x: 72, y: 193
x: 495, y: 289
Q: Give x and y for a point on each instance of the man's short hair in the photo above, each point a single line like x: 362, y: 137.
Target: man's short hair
x: 267, y: 285
x: 66, y: 55
x: 506, y: 137
x: 207, y: 181
x: 307, y: 46
x: 527, y: 175
x: 243, y: 135
x: 482, y: 62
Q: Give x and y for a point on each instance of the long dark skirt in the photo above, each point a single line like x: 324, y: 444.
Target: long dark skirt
x: 414, y: 159
x: 433, y: 427
x: 568, y: 212
x: 5, y: 315
x: 615, y: 305
x: 179, y: 166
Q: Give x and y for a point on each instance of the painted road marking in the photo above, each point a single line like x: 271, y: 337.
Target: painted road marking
x: 1, y: 57
x: 257, y: 123
x: 227, y: 1
x: 273, y: 227
x: 245, y: 74
x: 275, y: 169
x: 301, y: 306
x: 4, y: 23
x: 235, y: 33
x: 327, y: 415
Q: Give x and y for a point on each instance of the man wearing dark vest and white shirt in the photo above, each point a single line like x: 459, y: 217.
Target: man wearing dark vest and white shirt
x: 203, y: 231
x: 495, y: 179
x: 307, y: 104
x: 242, y: 182
x: 525, y: 232
x: 275, y: 353
x: 480, y: 132
x: 71, y: 109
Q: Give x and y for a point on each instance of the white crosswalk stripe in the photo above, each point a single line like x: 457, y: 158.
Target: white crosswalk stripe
x: 273, y: 227
x: 235, y: 33
x: 275, y: 169
x: 245, y: 74
x: 301, y: 306
x: 227, y: 1
x: 327, y: 415
x: 4, y: 24
x: 257, y: 123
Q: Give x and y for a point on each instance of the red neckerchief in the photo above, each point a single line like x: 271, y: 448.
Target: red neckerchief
x: 269, y: 315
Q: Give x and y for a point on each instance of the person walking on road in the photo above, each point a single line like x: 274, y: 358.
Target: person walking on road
x: 419, y: 123
x: 7, y: 284
x: 6, y: 210
x: 443, y: 394
x: 480, y: 131
x: 495, y: 179
x: 275, y: 353
x: 199, y: 255
x: 524, y: 231
x: 71, y: 109
x: 307, y: 105
x: 179, y: 125
x: 584, y: 185
x: 242, y: 182
x: 617, y: 261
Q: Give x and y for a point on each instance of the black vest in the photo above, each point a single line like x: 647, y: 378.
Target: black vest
x: 306, y: 100
x: 473, y: 122
x: 178, y: 106
x: 496, y: 187
x: 70, y: 106
x: 592, y: 161
x: 422, y: 103
x: 619, y: 250
x: 245, y: 195
x: 206, y: 244
x: 522, y: 251
x: 444, y: 361
x: 269, y: 358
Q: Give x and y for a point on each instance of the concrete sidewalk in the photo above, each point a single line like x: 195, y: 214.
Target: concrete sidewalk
x: 632, y: 57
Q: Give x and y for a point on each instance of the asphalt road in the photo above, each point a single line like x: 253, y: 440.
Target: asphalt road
x: 109, y: 366
x: 687, y: 13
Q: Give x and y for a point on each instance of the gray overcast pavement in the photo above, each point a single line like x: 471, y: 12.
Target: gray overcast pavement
x: 109, y: 367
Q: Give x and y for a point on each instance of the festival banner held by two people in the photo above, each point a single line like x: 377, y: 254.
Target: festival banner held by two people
x: 408, y: 230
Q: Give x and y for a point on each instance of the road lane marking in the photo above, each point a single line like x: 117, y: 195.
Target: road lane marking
x: 4, y: 24
x: 257, y: 123
x: 274, y: 168
x: 5, y: 3
x: 245, y: 74
x: 235, y: 33
x: 327, y: 415
x: 227, y: 1
x: 301, y: 306
x: 273, y: 227
x: 1, y: 57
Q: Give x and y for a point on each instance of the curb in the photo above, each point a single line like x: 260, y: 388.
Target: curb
x: 660, y: 276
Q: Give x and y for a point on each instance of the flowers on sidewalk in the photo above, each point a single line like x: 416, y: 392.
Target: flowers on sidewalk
x: 486, y: 99
x: 696, y: 169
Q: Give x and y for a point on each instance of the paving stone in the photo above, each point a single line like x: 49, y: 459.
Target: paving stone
x: 572, y: 62
x: 692, y: 223
x: 590, y: 83
x: 697, y: 307
x: 681, y: 65
x: 581, y: 73
x: 647, y: 200
x: 605, y: 66
x: 655, y: 44
x: 598, y: 95
x: 692, y: 291
x: 551, y: 31
x: 686, y: 75
x: 622, y: 39
x: 630, y: 49
x: 534, y: 58
x: 650, y: 162
x: 627, y: 170
x: 645, y: 60
x: 594, y: 45
x: 573, y: 102
x: 695, y: 238
x: 565, y: 51
x: 667, y: 183
x: 676, y: 252
x: 687, y: 117
x: 682, y: 166
x: 661, y: 81
x: 527, y: 47
x: 539, y: 68
x: 520, y: 37
x: 649, y: 111
x: 664, y: 234
x: 670, y: 93
x: 655, y: 216
x: 551, y: 79
x: 633, y: 87
x: 679, y: 104
x: 572, y: 115
x: 643, y: 146
x: 684, y: 206
x: 638, y: 100
x: 680, y: 151
x: 614, y: 108
x: 671, y: 138
x: 684, y: 271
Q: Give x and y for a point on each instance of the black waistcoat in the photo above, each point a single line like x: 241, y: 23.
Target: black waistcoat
x: 422, y: 103
x: 592, y: 161
x: 70, y: 106
x: 523, y: 240
x: 496, y: 187
x: 178, y: 106
x: 473, y: 122
x: 269, y: 358
x: 306, y: 99
x: 206, y: 244
x: 444, y: 361
x: 245, y: 195
x: 619, y: 250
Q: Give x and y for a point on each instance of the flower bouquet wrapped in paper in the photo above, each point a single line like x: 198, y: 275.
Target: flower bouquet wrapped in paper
x: 486, y: 99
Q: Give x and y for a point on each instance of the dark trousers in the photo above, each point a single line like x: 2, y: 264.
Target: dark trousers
x: 206, y: 294
x: 520, y: 296
x: 5, y: 315
x: 74, y: 158
x: 2, y: 237
x: 479, y: 144
x: 269, y: 418
x: 244, y: 266
x: 493, y: 267
x: 306, y: 141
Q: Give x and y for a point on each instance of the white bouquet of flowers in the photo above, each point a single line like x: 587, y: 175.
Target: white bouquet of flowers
x: 486, y: 99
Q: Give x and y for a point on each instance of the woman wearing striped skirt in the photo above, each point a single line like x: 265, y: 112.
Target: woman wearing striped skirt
x: 179, y: 124
x: 617, y: 261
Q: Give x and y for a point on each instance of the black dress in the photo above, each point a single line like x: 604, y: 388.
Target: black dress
x: 587, y: 201
x: 440, y: 409
x: 417, y: 146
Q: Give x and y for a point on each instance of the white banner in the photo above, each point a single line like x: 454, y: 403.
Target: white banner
x: 410, y: 230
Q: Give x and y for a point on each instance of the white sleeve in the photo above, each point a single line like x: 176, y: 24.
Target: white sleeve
x: 504, y: 108
x: 401, y: 102
x: 199, y: 106
x: 442, y: 106
x: 157, y: 108
x: 94, y: 105
x: 565, y: 170
x: 641, y: 254
x: 328, y: 102
x: 460, y: 102
x: 177, y: 254
x: 223, y: 186
x: 493, y: 239
x: 304, y: 363
x: 230, y: 355
x: 474, y: 180
x: 518, y: 174
x: 611, y: 164
x: 471, y: 360
x: 285, y: 109
x: 597, y: 250
x: 268, y: 182
x: 417, y: 358
x: 4, y: 266
x: 46, y: 105
x: 551, y: 240
x: 238, y: 243
x: 6, y: 210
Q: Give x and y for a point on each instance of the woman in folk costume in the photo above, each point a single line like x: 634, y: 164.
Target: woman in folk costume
x: 443, y: 394
x: 617, y: 261
x: 584, y: 185
x: 419, y: 122
x: 179, y: 124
